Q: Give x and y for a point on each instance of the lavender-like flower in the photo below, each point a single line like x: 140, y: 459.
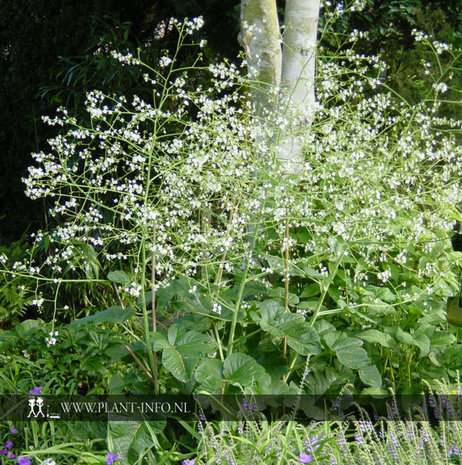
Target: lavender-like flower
x: 305, y: 458
x: 359, y: 439
x: 24, y: 461
x: 111, y: 458
x: 453, y: 450
x: 393, y: 452
x: 36, y: 390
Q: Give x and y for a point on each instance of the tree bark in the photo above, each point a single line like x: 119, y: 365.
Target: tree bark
x: 282, y: 81
x: 261, y: 39
x: 297, y: 98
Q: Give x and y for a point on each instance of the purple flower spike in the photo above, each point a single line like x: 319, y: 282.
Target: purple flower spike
x: 188, y: 462
x: 14, y: 430
x: 36, y: 390
x: 111, y: 458
x: 4, y: 452
x: 23, y: 461
x: 305, y: 458
x: 8, y: 444
x: 12, y: 456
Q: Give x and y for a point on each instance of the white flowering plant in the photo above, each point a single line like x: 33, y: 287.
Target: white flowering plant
x: 239, y: 270
x: 15, y: 292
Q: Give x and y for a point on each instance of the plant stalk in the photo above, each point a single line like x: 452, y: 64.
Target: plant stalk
x: 240, y: 294
x: 145, y: 314
x: 286, y: 283
x: 153, y: 304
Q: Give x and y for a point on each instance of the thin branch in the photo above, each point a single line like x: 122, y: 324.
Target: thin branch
x: 153, y: 305
x: 138, y: 361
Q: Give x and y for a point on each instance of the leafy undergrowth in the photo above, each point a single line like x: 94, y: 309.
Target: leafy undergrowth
x: 183, y: 259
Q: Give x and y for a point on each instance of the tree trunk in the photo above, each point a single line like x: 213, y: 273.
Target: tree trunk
x: 261, y: 40
x: 297, y: 98
x: 283, y: 81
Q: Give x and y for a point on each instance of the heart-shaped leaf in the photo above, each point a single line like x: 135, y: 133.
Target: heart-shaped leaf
x: 370, y: 375
x: 348, y: 350
x: 277, y: 321
x: 241, y: 369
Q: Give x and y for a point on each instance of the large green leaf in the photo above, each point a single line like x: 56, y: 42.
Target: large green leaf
x: 26, y: 326
x: 375, y: 336
x: 440, y: 339
x: 190, y: 343
x: 382, y: 293
x: 353, y: 357
x: 131, y: 438
x: 423, y: 342
x: 180, y: 367
x: 159, y: 341
x: 276, y: 264
x: 370, y: 375
x: 374, y: 391
x: 181, y: 351
x: 320, y: 381
x: 242, y: 370
x: 304, y: 340
x: 209, y: 375
x: 310, y: 291
x: 401, y: 336
x: 426, y: 329
x: 277, y: 321
x: 312, y: 273
x: 348, y: 350
x: 280, y: 293
x: 114, y: 314
x: 119, y: 277
x: 209, y: 368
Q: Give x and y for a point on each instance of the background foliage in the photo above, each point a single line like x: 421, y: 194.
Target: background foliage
x: 341, y: 290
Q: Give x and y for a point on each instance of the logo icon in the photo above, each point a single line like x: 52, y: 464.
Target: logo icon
x: 39, y: 403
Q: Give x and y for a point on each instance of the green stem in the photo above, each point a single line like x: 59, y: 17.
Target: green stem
x: 283, y: 456
x: 291, y: 367
x: 326, y: 288
x: 153, y: 304
x: 220, y: 346
x: 240, y: 294
x: 409, y: 369
x: 55, y: 304
x: 286, y: 283
x: 145, y: 312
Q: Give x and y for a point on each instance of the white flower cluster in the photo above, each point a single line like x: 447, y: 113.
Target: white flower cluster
x: 380, y: 178
x: 38, y: 302
x: 127, y: 59
x: 165, y: 61
x: 384, y: 276
x: 440, y: 87
x: 419, y: 35
x: 52, y: 338
x: 190, y: 175
x: 194, y: 24
x: 114, y: 180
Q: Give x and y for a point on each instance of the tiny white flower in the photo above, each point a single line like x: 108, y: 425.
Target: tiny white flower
x: 216, y: 308
x: 49, y: 462
x: 193, y: 290
x: 164, y: 61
